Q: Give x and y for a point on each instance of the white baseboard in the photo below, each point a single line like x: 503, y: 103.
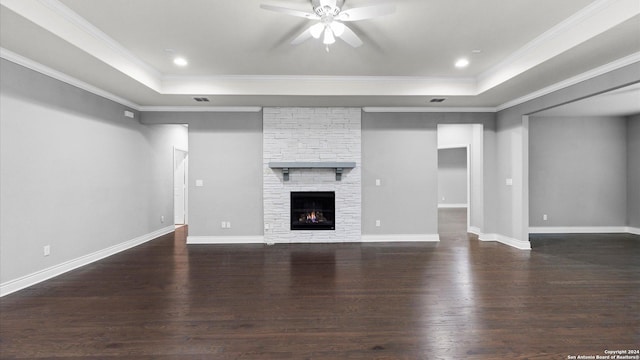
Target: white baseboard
x: 579, y: 229
x: 518, y: 244
x: 446, y: 206
x: 474, y: 230
x: 225, y: 239
x: 633, y: 230
x: 401, y: 238
x: 12, y: 286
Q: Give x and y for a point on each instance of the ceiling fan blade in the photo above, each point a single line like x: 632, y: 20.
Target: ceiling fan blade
x: 350, y: 37
x: 293, y: 12
x: 304, y: 36
x: 367, y: 12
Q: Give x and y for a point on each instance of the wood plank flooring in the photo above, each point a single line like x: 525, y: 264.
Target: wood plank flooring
x: 457, y: 299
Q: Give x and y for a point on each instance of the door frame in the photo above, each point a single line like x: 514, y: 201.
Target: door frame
x: 177, y: 149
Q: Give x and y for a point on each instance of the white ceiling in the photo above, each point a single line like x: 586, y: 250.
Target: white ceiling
x: 239, y: 54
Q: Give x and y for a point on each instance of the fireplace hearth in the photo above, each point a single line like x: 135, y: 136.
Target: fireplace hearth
x: 313, y: 210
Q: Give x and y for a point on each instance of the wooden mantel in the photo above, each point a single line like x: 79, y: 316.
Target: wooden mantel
x: 286, y: 166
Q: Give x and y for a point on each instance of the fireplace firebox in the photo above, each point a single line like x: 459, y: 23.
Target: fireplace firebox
x: 313, y: 210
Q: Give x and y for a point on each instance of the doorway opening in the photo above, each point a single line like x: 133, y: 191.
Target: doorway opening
x: 460, y: 164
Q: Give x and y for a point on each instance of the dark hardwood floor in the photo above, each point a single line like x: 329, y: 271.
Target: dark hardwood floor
x: 457, y: 299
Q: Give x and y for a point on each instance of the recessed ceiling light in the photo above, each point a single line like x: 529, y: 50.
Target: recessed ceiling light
x: 460, y: 63
x: 180, y: 61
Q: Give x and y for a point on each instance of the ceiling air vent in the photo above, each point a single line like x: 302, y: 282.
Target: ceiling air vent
x: 437, y: 100
x: 201, y: 99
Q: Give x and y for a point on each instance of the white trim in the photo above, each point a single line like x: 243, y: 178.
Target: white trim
x: 518, y: 244
x: 534, y: 45
x: 374, y: 109
x: 448, y: 206
x: 589, y: 22
x: 59, y: 20
x: 84, y: 25
x: 12, y: 286
x: 328, y: 78
x: 579, y: 229
x: 225, y: 240
x: 401, y: 238
x: 474, y: 230
x: 55, y: 74
x: 454, y: 146
x: 633, y: 230
x: 201, y: 108
x: 614, y: 65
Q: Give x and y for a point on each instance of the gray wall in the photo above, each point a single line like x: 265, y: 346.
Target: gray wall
x: 402, y: 151
x: 452, y: 176
x: 633, y: 171
x: 225, y: 151
x: 76, y: 174
x: 510, y: 217
x: 578, y: 171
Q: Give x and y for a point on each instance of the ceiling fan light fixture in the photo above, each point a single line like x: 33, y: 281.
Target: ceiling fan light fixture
x: 328, y: 36
x: 330, y: 19
x: 316, y: 30
x: 327, y: 7
x: 337, y: 28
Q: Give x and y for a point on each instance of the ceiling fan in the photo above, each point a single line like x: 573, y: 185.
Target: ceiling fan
x: 331, y: 19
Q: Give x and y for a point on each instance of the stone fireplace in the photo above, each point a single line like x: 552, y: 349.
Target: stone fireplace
x: 317, y: 136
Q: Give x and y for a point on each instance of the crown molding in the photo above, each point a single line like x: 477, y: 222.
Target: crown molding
x: 35, y: 66
x: 55, y: 74
x: 594, y: 19
x: 328, y: 78
x: 614, y: 65
x: 63, y: 22
x: 90, y: 29
x: 307, y: 85
x: 201, y: 108
x: 373, y: 109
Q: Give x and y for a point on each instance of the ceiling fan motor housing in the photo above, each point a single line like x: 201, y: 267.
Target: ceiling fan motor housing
x: 327, y: 7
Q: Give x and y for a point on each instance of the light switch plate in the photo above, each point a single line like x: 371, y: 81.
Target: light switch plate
x: 199, y: 182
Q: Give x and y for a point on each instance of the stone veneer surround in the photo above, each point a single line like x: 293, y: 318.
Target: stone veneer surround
x: 312, y: 134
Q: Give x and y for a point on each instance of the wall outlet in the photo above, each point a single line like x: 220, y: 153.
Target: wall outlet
x: 377, y: 223
x: 545, y: 217
x: 46, y: 250
x: 267, y: 226
x: 509, y: 182
x: 378, y: 182
x: 223, y: 224
x: 228, y: 224
x: 161, y: 219
x: 199, y: 182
